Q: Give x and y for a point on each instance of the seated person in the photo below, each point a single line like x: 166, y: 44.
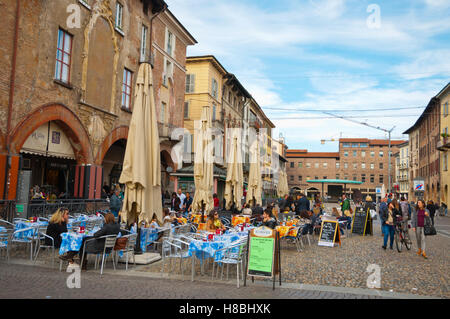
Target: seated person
x: 167, y: 218
x: 213, y: 222
x: 56, y: 226
x: 247, y: 211
x: 268, y: 219
x: 110, y: 227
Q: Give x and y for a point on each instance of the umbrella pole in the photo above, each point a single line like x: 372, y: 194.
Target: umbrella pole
x: 203, y: 211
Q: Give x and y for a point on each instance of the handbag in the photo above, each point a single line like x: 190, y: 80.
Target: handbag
x: 121, y: 243
x: 428, y: 228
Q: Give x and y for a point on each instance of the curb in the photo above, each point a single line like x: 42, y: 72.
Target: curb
x: 267, y: 284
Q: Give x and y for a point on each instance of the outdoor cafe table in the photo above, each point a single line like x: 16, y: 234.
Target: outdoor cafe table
x: 29, y: 234
x: 203, y: 249
x: 237, y: 220
x: 71, y: 241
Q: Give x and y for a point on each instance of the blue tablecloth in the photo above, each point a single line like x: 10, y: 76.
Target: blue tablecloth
x: 146, y: 241
x: 71, y: 241
x: 83, y: 219
x: 207, y: 249
x: 29, y: 233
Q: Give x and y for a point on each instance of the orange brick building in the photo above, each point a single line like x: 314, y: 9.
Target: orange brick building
x: 66, y: 89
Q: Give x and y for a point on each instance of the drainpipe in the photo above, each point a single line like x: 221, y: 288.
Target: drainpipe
x: 151, y: 31
x: 12, y: 84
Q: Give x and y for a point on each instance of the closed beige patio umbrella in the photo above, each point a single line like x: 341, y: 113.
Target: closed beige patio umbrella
x: 141, y: 171
x: 254, y: 178
x: 203, y: 163
x: 235, y: 176
x: 283, y: 188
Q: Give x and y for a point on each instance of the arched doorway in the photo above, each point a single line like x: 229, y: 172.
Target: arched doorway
x: 312, y: 191
x: 167, y: 167
x: 50, y: 141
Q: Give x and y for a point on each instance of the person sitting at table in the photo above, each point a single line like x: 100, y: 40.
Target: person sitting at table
x: 268, y: 219
x: 110, y: 227
x: 167, y: 218
x: 247, y: 210
x: 175, y: 202
x: 56, y: 226
x: 213, y: 222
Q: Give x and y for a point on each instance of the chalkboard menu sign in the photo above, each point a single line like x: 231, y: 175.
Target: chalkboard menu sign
x: 329, y: 233
x: 359, y: 221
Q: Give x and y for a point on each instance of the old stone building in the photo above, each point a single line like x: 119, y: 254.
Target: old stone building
x: 66, y: 89
x: 424, y: 162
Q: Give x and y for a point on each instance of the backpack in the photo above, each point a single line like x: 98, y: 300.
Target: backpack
x: 409, y: 211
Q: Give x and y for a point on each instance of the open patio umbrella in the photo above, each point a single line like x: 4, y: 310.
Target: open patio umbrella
x: 235, y: 176
x: 282, y: 187
x: 254, y: 178
x: 141, y: 172
x: 203, y: 164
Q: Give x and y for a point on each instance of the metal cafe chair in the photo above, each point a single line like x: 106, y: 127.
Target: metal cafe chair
x: 173, y: 248
x: 234, y: 254
x: 5, y: 241
x: 110, y: 241
x: 25, y: 236
x: 130, y: 245
x: 41, y: 236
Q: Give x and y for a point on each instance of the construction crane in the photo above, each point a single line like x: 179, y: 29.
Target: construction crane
x: 374, y: 127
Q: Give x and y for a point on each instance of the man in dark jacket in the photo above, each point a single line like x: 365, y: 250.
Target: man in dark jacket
x: 302, y: 204
x: 383, y: 212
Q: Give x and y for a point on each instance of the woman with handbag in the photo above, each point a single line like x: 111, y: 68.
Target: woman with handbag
x: 418, y: 224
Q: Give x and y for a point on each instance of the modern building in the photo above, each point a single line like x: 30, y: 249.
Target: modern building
x: 66, y: 89
x: 424, y: 163
x: 443, y: 144
x: 358, y: 159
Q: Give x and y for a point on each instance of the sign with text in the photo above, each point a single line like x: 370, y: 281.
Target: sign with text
x: 329, y: 233
x: 261, y: 255
x: 359, y: 221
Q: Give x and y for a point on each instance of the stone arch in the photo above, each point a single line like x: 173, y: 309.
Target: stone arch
x: 119, y: 133
x: 66, y: 119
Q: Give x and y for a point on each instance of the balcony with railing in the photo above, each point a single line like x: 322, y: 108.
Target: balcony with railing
x: 443, y: 144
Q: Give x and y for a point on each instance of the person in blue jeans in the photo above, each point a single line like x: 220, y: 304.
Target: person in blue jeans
x: 387, y: 221
x: 383, y: 210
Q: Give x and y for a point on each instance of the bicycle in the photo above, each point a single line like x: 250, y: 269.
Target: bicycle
x: 401, y: 236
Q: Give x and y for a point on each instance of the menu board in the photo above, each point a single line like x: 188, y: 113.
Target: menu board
x: 359, y: 222
x: 328, y: 233
x: 261, y: 252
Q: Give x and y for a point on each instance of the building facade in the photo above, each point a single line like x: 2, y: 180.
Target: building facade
x: 401, y: 185
x: 67, y: 90
x: 358, y: 159
x: 424, y: 135
x: 443, y: 144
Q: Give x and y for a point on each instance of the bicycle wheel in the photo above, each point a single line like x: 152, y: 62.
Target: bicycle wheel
x: 398, y: 242
x: 407, y: 240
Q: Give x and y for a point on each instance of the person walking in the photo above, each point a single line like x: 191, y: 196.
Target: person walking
x: 432, y: 210
x: 388, y: 219
x: 383, y: 211
x: 405, y: 209
x: 418, y: 224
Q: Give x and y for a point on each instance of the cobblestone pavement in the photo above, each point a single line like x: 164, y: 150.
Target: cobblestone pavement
x: 340, y: 267
x: 22, y: 281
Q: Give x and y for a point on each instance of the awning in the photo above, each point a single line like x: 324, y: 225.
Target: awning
x: 50, y: 141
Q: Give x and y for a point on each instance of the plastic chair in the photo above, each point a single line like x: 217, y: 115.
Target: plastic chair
x: 110, y: 241
x: 131, y: 244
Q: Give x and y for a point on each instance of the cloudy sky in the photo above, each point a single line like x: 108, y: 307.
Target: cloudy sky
x: 378, y: 62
